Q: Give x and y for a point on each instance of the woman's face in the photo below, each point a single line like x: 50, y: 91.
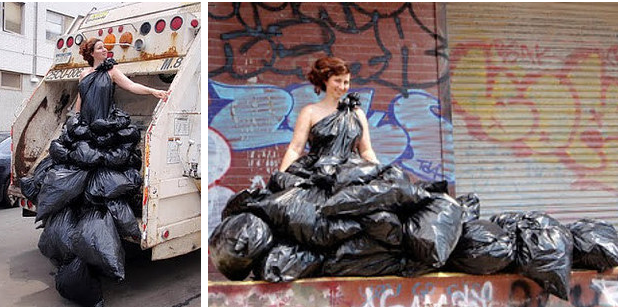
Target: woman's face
x: 338, y: 85
x: 99, y: 53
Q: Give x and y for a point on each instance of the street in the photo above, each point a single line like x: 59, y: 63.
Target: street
x: 27, y: 277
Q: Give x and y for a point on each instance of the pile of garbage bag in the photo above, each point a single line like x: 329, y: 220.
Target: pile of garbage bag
x: 85, y: 193
x: 390, y: 226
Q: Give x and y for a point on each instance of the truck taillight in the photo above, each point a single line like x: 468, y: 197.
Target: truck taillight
x: 194, y: 23
x: 70, y: 41
x: 110, y: 30
x: 100, y: 32
x: 145, y: 28
x: 176, y: 23
x: 60, y: 43
x: 78, y: 39
x: 160, y: 26
x: 110, y: 54
x: 120, y: 28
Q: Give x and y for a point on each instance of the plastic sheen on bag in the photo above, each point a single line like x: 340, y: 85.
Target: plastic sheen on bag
x: 77, y: 283
x: 483, y: 248
x: 60, y: 186
x: 431, y: 234
x: 55, y: 240
x: 286, y: 262
x: 595, y: 244
x: 97, y: 243
x: 237, y: 242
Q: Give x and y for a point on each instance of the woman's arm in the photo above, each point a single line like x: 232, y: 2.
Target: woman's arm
x: 364, y: 146
x: 135, y: 88
x: 78, y: 103
x: 299, y: 139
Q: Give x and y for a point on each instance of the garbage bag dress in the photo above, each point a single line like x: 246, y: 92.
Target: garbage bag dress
x: 97, y: 91
x: 330, y: 184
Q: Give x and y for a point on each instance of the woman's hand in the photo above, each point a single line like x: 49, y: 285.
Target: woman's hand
x: 160, y: 94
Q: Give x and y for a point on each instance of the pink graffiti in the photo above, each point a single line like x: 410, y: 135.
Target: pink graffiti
x: 525, y: 69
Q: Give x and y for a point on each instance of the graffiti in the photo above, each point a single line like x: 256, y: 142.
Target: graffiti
x: 219, y: 157
x: 471, y: 295
x: 260, y: 38
x: 252, y: 117
x: 547, y: 114
x: 258, y: 182
x: 608, y: 289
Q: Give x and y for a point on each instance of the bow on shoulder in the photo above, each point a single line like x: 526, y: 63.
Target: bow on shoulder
x: 351, y: 101
x: 106, y: 65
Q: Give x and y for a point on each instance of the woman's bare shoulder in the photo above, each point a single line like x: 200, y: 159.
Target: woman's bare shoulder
x: 85, y: 72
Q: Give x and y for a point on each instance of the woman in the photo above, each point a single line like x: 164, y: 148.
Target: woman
x: 306, y: 199
x: 331, y: 75
x: 96, y: 90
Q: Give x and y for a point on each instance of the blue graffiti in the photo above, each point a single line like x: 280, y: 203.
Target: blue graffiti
x: 410, y: 133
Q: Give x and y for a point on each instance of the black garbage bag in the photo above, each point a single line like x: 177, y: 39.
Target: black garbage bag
x: 81, y: 132
x: 544, y: 249
x: 55, y: 240
x: 291, y: 213
x: 58, y: 152
x: 483, y: 248
x: 70, y: 124
x: 61, y: 185
x: 107, y: 183
x: 383, y: 226
x: 362, y: 256
x: 431, y: 234
x: 303, y: 166
x: 595, y: 244
x: 105, y: 140
x: 288, y: 262
x: 117, y: 157
x: 30, y: 186
x: 393, y: 173
x: 433, y: 186
x: 135, y: 159
x: 124, y: 219
x: 86, y: 156
x: 329, y: 232
x: 356, y: 171
x: 545, y: 252
x: 414, y: 268
x: 280, y: 181
x: 238, y: 202
x: 129, y: 135
x: 77, y: 283
x: 378, y: 195
x: 116, y: 120
x: 472, y: 207
x: 97, y: 242
x: 237, y: 242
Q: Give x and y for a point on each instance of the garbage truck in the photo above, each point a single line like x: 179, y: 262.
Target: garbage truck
x: 155, y: 44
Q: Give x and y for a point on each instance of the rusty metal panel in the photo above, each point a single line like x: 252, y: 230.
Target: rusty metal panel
x: 533, y: 88
x: 587, y: 288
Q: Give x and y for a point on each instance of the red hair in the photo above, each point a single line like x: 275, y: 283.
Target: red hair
x: 87, y: 48
x: 325, y: 68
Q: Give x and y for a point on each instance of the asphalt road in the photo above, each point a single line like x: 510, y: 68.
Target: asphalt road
x: 27, y: 277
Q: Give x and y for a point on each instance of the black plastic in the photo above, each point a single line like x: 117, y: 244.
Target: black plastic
x: 97, y: 242
x: 55, y: 240
x: 431, y: 234
x: 76, y: 282
x: 483, y: 248
x: 237, y: 242
x: 383, y: 226
x: 286, y: 262
x: 595, y: 244
x: 61, y: 186
x: 124, y: 219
